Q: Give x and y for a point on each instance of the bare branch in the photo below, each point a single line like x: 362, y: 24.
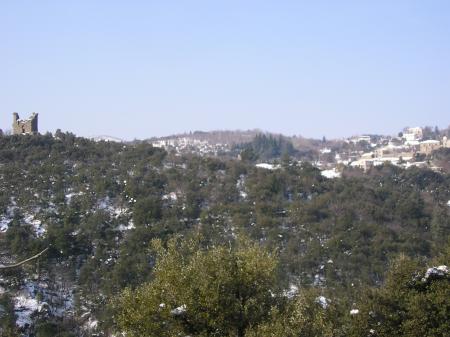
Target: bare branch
x: 18, y: 264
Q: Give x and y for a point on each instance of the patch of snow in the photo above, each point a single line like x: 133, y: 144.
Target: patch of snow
x: 4, y: 224
x: 24, y: 307
x: 104, y: 203
x: 448, y: 203
x: 106, y: 138
x: 109, y: 260
x: 354, y: 312
x: 107, y: 205
x: 91, y: 324
x: 179, y: 311
x: 291, y: 292
x: 439, y: 271
x: 6, y: 219
x: 431, y: 141
x: 39, y: 229
x: 268, y: 166
x: 323, y: 301
x: 76, y: 232
x: 118, y: 211
x: 171, y: 196
x: 318, y: 280
x: 69, y: 196
x: 123, y: 228
x: 26, y: 302
x: 330, y: 174
x: 240, y: 185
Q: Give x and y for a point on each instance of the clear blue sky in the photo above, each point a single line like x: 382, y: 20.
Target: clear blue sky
x: 136, y: 69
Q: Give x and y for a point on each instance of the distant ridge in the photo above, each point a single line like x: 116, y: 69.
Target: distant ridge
x: 216, y: 136
x: 106, y: 138
x: 234, y: 137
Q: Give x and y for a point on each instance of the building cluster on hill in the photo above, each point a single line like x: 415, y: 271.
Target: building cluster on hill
x: 412, y: 147
x: 191, y: 145
x: 408, y: 149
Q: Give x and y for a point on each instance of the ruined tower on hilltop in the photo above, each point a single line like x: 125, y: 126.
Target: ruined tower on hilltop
x: 25, y: 127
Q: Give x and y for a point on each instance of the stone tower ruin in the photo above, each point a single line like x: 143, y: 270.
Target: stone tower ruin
x: 25, y: 127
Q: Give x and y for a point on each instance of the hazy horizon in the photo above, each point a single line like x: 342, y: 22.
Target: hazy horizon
x: 149, y: 69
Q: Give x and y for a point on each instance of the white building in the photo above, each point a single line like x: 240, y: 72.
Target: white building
x: 412, y: 134
x: 445, y: 142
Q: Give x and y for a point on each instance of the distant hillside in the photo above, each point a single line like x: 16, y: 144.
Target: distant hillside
x: 217, y: 136
x: 235, y: 137
x: 107, y: 139
x: 98, y: 205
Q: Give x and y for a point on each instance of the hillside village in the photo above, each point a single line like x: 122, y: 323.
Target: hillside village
x: 186, y: 144
x: 408, y: 149
x: 411, y: 147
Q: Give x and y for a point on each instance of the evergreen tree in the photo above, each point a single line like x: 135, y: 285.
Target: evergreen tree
x: 222, y: 291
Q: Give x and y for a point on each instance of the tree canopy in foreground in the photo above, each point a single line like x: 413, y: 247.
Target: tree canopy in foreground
x: 233, y: 291
x: 216, y: 292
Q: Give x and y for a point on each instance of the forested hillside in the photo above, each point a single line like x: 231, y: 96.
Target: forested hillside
x: 109, y: 213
